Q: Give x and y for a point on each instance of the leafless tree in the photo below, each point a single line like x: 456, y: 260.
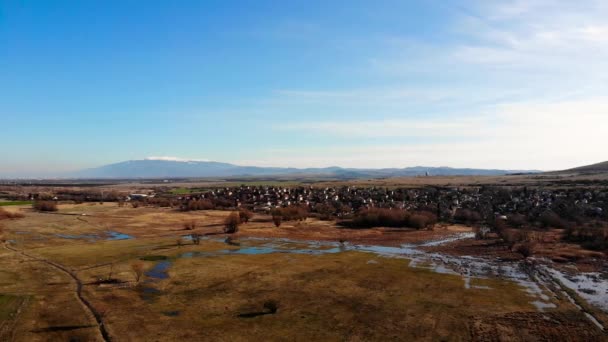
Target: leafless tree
x: 190, y: 225
x: 277, y: 220
x: 138, y: 269
x: 232, y: 222
x: 245, y: 215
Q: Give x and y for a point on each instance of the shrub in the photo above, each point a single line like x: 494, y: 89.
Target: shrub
x: 45, y: 206
x: 189, y: 225
x: 380, y: 217
x: 277, y: 220
x: 383, y: 217
x: 223, y: 203
x: 232, y: 222
x: 161, y: 202
x: 526, y: 249
x: 271, y: 306
x: 291, y: 213
x: 245, y: 215
x: 202, y: 204
x: 467, y: 216
x: 135, y: 204
x: 138, y: 270
x: 423, y: 219
x: 6, y: 215
x: 325, y: 212
x: 516, y: 220
x: 512, y: 237
x: 550, y: 219
x: 590, y: 238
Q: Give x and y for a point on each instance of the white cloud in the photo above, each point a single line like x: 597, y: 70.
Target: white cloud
x: 527, y: 135
x: 538, y: 68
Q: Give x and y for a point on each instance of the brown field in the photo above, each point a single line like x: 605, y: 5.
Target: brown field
x: 223, y: 291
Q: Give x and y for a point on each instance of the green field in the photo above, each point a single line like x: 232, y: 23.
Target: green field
x: 7, y: 203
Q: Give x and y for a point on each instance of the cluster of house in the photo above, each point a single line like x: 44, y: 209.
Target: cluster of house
x: 486, y: 201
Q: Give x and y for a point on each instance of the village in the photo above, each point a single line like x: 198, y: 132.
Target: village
x: 477, y: 204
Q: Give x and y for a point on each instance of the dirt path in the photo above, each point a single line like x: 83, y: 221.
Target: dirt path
x: 85, y: 303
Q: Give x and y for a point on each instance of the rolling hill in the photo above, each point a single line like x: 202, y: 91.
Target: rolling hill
x: 593, y: 168
x: 179, y: 169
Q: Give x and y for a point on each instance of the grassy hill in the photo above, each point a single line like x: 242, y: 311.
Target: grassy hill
x: 594, y: 168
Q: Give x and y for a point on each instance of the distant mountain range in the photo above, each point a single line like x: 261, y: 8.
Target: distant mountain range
x: 201, y: 169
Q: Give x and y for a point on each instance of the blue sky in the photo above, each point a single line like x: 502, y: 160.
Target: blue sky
x: 490, y: 84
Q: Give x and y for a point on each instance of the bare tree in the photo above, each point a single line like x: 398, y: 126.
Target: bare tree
x: 245, y: 215
x: 232, y: 222
x: 277, y: 220
x: 190, y: 225
x: 111, y: 271
x: 138, y: 269
x: 45, y: 206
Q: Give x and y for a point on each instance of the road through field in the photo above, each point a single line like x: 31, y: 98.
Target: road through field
x: 83, y: 301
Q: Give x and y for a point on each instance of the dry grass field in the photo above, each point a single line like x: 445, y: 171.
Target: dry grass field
x: 249, y: 288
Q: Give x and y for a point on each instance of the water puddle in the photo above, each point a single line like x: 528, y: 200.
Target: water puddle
x: 160, y: 270
x: 593, y: 287
x: 118, y: 236
x: 171, y: 313
x: 108, y: 236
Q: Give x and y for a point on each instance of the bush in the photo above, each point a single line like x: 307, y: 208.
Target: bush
x: 423, y: 219
x: 160, y: 202
x: 291, y: 213
x: 513, y: 237
x: 549, y: 219
x: 590, y: 238
x: 202, y: 204
x: 467, y: 216
x: 325, y: 211
x: 245, y: 215
x: 7, y: 215
x: 138, y: 270
x: 383, y: 217
x: 526, y: 249
x: 190, y: 225
x: 380, y: 217
x: 232, y: 222
x: 45, y: 206
x: 516, y: 220
x: 271, y: 306
x: 277, y: 220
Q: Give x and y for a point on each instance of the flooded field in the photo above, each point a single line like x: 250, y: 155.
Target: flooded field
x: 152, y: 282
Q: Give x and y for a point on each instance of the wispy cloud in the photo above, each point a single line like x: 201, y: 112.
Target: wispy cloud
x: 444, y: 128
x: 524, y: 135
